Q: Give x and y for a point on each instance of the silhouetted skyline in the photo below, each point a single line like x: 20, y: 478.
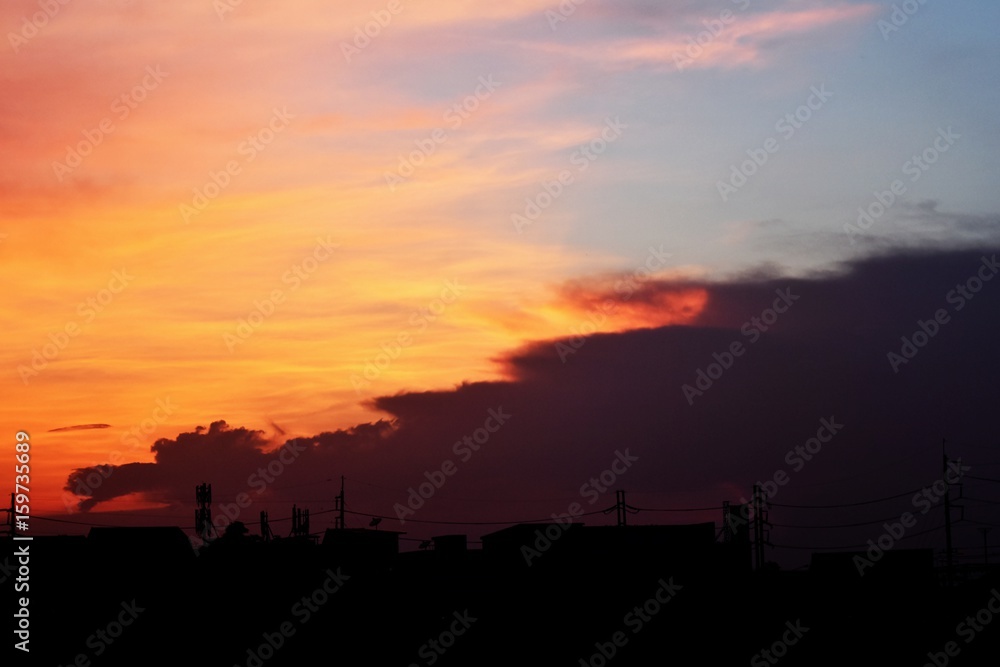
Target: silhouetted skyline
x: 546, y: 332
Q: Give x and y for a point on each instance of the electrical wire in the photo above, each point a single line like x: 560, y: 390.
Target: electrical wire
x: 984, y: 479
x: 838, y: 505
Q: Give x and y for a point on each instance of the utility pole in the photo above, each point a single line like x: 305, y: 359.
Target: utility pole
x: 265, y: 527
x: 300, y: 522
x: 338, y: 505
x: 203, y: 515
x: 620, y: 507
x: 758, y: 527
x: 986, y: 550
x: 736, y: 533
x: 727, y: 517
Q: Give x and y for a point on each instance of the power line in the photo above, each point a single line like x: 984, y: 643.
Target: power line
x: 983, y: 500
x: 984, y: 479
x: 78, y: 523
x: 836, y: 525
x: 594, y: 513
x: 473, y: 523
x: 678, y: 509
x: 923, y: 532
x: 838, y: 505
x: 846, y: 548
x: 851, y: 547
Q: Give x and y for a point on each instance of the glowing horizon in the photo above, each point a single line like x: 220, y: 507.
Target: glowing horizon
x: 275, y: 215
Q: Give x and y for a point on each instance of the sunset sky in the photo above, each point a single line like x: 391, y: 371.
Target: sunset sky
x: 303, y: 218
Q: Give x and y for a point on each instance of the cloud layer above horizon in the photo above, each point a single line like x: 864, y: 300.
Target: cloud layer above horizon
x: 705, y: 420
x: 315, y: 222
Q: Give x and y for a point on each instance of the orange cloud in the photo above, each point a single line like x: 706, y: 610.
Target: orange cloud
x: 239, y: 310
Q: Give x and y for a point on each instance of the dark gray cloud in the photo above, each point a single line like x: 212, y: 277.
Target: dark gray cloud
x: 573, y: 403
x: 79, y: 427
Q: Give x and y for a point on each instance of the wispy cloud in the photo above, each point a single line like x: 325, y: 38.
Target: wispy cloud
x: 80, y: 427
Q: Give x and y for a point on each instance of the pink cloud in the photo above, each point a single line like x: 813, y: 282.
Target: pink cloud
x: 741, y: 40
